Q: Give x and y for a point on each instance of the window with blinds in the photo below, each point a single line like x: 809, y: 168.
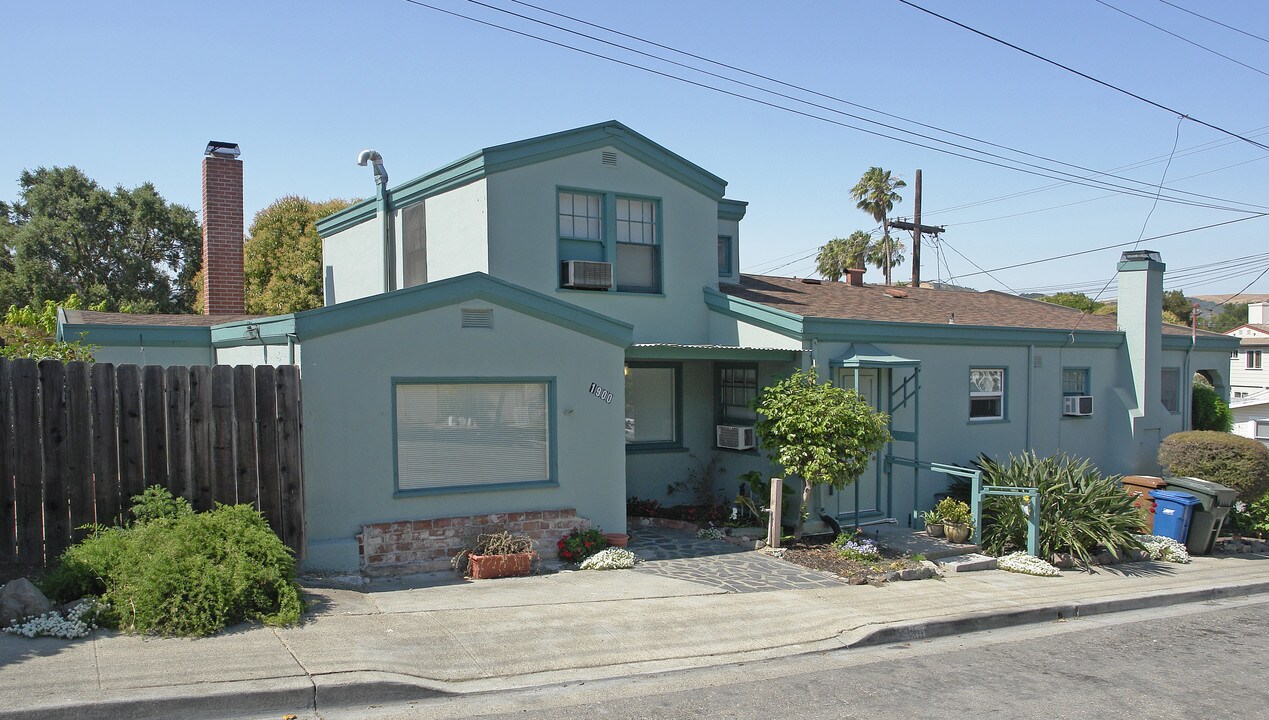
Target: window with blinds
x: 453, y: 435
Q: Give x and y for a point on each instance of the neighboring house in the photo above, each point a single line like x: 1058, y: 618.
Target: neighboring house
x: 1251, y: 416
x: 560, y: 323
x: 1247, y: 373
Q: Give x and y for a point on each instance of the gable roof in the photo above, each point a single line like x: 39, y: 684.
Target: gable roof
x: 92, y: 317
x: 794, y: 298
x: 533, y: 150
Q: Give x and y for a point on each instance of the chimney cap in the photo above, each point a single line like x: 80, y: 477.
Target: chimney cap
x: 1131, y: 255
x: 219, y: 148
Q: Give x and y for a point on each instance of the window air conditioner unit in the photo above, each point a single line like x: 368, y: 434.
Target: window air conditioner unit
x: 735, y: 437
x: 1078, y: 405
x: 586, y: 274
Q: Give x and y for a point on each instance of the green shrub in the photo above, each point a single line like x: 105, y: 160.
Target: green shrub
x: 1250, y: 517
x: 951, y: 510
x: 581, y: 544
x: 1080, y: 509
x: 1210, y: 412
x: 1239, y: 462
x: 176, y: 572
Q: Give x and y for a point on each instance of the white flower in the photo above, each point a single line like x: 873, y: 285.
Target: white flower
x: 1164, y: 548
x: 613, y: 558
x: 710, y: 533
x: 52, y: 624
x: 1021, y: 562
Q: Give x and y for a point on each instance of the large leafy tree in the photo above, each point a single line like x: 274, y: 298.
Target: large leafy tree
x: 876, y: 194
x: 841, y: 254
x: 1076, y: 300
x: 1175, y: 302
x: 67, y: 235
x: 1231, y: 315
x: 283, y: 256
x: 819, y: 432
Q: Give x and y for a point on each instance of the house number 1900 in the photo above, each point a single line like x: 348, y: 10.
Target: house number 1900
x: 600, y: 393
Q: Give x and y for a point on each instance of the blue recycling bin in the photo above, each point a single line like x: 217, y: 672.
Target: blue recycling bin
x: 1172, y: 513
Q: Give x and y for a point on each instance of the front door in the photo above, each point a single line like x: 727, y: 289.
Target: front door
x: 867, y: 489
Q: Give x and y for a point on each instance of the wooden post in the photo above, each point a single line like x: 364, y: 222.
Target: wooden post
x: 916, y: 231
x: 773, y: 522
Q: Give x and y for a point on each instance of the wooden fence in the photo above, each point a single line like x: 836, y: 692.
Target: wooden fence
x: 78, y: 440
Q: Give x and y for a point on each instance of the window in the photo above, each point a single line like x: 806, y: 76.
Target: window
x: 653, y: 399
x: 1261, y: 429
x: 638, y: 265
x: 1170, y: 389
x: 986, y: 394
x: 737, y: 387
x: 472, y: 434
x: 1253, y: 359
x: 724, y: 255
x: 604, y: 227
x: 1075, y: 381
x: 414, y: 245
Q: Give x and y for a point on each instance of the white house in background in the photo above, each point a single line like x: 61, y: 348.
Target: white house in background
x: 1251, y: 416
x: 1247, y: 370
x: 556, y: 324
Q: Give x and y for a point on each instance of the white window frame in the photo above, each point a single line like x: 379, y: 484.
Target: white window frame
x: 1254, y: 360
x: 527, y: 460
x: 979, y: 394
x: 1260, y: 429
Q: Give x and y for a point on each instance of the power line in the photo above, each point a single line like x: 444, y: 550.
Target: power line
x: 988, y: 273
x: 1217, y: 22
x: 1040, y: 171
x: 1182, y: 39
x: 1086, y: 76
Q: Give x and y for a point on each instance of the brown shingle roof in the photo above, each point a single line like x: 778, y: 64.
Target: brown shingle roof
x: 92, y: 317
x: 921, y: 305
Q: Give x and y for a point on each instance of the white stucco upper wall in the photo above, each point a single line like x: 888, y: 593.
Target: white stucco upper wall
x: 457, y: 232
x: 352, y: 262
x: 523, y: 240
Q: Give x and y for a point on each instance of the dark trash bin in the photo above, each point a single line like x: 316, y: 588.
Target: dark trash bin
x: 1139, y: 487
x: 1207, y: 520
x: 1172, y: 513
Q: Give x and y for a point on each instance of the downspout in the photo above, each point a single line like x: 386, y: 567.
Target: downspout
x: 1030, y: 399
x: 1187, y: 380
x: 373, y: 158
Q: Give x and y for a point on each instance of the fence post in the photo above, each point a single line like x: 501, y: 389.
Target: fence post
x: 773, y: 521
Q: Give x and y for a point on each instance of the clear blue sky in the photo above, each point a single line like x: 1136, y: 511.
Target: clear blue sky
x: 130, y: 92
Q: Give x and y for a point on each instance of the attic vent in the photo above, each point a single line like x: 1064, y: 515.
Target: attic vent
x: 895, y: 292
x: 1037, y: 361
x: 477, y: 317
x: 608, y: 157
x: 811, y: 281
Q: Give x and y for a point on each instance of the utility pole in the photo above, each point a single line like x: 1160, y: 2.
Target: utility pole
x: 916, y: 232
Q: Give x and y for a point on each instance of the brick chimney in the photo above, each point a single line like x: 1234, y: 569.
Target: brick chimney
x: 222, y: 230
x: 855, y: 277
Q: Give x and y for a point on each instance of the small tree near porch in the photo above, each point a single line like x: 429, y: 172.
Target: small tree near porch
x: 818, y: 432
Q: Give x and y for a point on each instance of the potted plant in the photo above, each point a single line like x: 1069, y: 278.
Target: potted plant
x: 581, y: 544
x: 933, y: 523
x: 496, y: 554
x: 956, y: 519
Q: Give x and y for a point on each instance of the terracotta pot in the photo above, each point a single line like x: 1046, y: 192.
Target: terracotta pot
x: 485, y: 567
x: 956, y: 532
x: 617, y: 539
x: 934, y: 529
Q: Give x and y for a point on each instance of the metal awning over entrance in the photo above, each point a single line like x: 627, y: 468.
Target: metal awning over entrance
x: 671, y: 351
x: 865, y: 355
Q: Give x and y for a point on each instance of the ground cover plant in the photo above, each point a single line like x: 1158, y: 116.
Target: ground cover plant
x: 1081, y: 511
x: 849, y: 555
x: 173, y: 571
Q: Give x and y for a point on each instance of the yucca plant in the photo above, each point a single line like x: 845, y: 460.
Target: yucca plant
x: 1080, y: 509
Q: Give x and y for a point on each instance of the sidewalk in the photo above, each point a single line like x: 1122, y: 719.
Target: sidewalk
x: 404, y: 640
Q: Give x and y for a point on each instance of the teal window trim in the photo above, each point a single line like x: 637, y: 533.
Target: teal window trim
x: 552, y: 416
x: 660, y: 445
x: 1004, y: 396
x: 608, y: 236
x: 720, y: 414
x: 1088, y: 381
x: 726, y: 256
x: 1180, y: 399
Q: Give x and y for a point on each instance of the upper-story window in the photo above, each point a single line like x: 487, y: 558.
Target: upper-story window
x: 1253, y: 359
x: 617, y: 229
x: 724, y: 255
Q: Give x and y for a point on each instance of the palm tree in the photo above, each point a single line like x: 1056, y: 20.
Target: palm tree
x: 875, y: 194
x: 841, y: 254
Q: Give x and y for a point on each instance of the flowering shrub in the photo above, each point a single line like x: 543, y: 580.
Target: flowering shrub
x: 710, y: 533
x: 858, y: 549
x: 1164, y: 548
x: 80, y: 621
x: 642, y: 508
x: 1250, y: 517
x: 613, y: 558
x: 581, y: 544
x: 1021, y: 562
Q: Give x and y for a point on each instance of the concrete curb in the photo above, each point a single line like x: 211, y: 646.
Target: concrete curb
x: 274, y: 697
x: 997, y: 619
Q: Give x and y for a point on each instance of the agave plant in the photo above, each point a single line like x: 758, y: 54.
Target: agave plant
x: 1080, y: 509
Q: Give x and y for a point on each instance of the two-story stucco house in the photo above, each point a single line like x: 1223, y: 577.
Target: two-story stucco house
x: 560, y: 323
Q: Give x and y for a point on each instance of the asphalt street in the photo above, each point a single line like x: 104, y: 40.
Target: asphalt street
x: 1188, y: 661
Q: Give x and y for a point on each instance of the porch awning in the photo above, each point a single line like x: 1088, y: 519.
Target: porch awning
x: 672, y: 351
x: 864, y: 355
